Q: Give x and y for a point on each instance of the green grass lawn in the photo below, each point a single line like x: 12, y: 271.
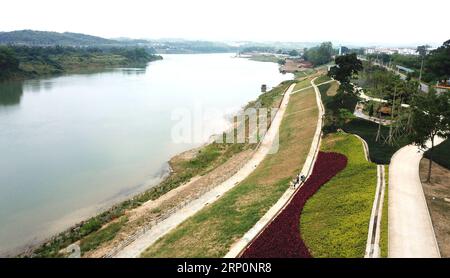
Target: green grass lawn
x: 333, y: 101
x: 94, y: 239
x: 380, y: 152
x: 303, y: 73
x: 335, y: 220
x: 264, y: 58
x: 302, y: 84
x: 441, y: 154
x: 323, y: 78
x: 272, y: 98
x: 212, y: 231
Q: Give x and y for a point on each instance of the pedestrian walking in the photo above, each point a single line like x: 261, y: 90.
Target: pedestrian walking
x: 296, y: 181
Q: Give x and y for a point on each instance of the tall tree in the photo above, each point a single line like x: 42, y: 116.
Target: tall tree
x: 293, y: 53
x: 430, y: 118
x: 422, y: 50
x: 319, y: 55
x: 438, y: 62
x: 9, y: 64
x: 346, y: 67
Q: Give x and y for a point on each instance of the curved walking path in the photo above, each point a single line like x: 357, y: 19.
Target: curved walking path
x: 237, y: 249
x: 135, y: 248
x: 374, y: 234
x: 411, y: 233
x: 367, y: 98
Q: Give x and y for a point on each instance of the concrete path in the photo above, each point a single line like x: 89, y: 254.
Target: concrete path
x: 373, y: 237
x: 358, y: 113
x: 135, y: 248
x: 309, y: 87
x: 367, y: 98
x: 411, y: 232
x: 245, y: 241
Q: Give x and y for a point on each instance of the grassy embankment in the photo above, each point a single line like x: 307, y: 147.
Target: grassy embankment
x: 212, y: 231
x: 322, y: 79
x: 106, y: 225
x: 264, y: 58
x: 305, y: 73
x: 303, y: 84
x: 335, y: 220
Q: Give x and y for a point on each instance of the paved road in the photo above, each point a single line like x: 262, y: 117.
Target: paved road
x: 270, y: 141
x: 411, y: 232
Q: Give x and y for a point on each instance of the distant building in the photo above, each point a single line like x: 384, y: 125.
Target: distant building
x: 390, y: 51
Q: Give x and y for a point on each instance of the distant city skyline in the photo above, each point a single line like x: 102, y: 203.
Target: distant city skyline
x: 350, y: 22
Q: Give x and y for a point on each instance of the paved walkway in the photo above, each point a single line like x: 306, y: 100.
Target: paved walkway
x: 411, y: 232
x: 309, y: 87
x: 373, y: 237
x: 140, y: 244
x: 367, y: 98
x: 240, y: 246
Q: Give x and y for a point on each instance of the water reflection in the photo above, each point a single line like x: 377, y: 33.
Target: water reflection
x: 37, y: 86
x: 133, y: 71
x: 10, y: 93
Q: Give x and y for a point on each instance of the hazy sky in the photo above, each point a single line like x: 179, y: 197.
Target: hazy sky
x: 351, y: 21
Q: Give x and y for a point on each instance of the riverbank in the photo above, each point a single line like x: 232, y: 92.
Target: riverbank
x: 212, y: 231
x: 192, y: 172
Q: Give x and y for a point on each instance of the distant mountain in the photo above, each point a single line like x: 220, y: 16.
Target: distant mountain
x: 44, y: 38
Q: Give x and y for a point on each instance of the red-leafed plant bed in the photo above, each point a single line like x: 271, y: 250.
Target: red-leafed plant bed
x: 282, y: 238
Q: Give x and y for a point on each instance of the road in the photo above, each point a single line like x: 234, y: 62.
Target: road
x: 411, y: 233
x: 270, y: 141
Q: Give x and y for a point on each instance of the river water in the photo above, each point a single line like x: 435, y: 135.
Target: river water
x: 72, y: 145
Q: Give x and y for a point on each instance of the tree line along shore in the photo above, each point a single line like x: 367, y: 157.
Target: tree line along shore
x: 21, y: 62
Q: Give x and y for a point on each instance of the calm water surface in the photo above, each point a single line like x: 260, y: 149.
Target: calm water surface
x: 72, y: 145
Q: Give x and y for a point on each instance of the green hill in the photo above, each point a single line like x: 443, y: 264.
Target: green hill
x: 44, y: 38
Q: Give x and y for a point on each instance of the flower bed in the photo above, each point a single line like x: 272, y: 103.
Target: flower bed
x: 282, y: 237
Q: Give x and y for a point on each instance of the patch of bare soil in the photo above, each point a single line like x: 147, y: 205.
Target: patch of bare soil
x: 170, y: 201
x: 436, y: 193
x: 294, y: 65
x: 332, y: 91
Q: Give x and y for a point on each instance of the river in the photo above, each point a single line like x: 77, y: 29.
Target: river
x: 73, y: 145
